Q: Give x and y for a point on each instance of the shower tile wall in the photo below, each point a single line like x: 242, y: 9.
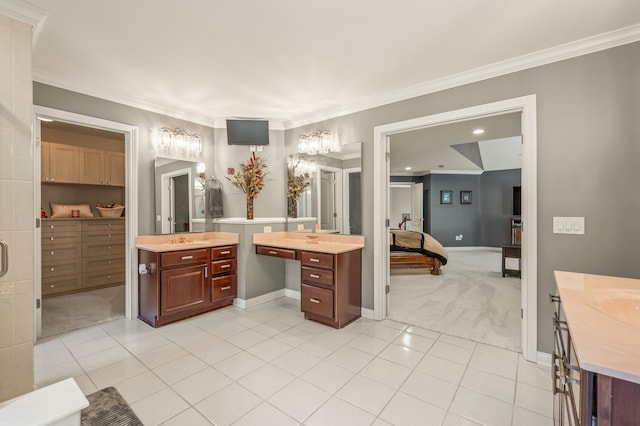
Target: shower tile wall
x: 16, y: 208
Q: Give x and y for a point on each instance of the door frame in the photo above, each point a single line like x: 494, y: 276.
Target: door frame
x: 169, y: 209
x: 337, y: 194
x: 346, y: 225
x: 131, y: 201
x: 526, y: 105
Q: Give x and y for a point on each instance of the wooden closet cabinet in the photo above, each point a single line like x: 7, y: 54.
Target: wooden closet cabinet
x: 98, y: 167
x: 59, y: 163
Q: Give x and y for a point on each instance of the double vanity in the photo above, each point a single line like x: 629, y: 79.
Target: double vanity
x: 596, y: 360
x: 183, y: 275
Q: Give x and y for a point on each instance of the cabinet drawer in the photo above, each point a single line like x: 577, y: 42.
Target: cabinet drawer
x: 316, y: 300
x: 224, y: 287
x: 55, y: 254
x: 314, y: 275
x: 62, y: 284
x: 104, y: 226
x: 101, y: 249
x: 63, y: 267
x: 57, y: 239
x: 102, y: 278
x: 223, y: 266
x: 183, y: 257
x: 318, y: 260
x: 104, y: 236
x: 103, y: 264
x: 52, y: 227
x: 226, y: 252
x: 276, y: 252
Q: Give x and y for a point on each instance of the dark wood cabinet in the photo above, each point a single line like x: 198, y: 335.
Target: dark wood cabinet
x: 583, y: 397
x: 331, y: 284
x: 175, y: 285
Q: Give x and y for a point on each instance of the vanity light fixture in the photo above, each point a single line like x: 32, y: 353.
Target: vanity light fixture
x: 179, y: 139
x: 318, y: 142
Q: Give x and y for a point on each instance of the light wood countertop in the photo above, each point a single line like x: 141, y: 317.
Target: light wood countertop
x: 320, y: 243
x: 192, y: 240
x: 603, y: 314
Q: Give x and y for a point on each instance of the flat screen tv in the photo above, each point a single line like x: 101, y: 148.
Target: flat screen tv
x: 248, y: 132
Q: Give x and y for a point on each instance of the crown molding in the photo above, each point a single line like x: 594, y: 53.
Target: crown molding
x: 22, y: 12
x: 90, y: 89
x: 570, y: 50
x: 558, y: 53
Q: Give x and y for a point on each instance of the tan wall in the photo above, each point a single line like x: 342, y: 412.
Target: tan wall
x: 16, y: 209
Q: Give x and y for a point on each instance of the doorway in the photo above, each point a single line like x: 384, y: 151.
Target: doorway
x: 130, y: 135
x: 175, y: 201
x: 527, y: 106
x: 329, y: 197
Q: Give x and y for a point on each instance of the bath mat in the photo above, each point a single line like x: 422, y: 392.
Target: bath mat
x: 108, y: 408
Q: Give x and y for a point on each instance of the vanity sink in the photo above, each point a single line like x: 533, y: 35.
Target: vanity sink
x: 620, y: 304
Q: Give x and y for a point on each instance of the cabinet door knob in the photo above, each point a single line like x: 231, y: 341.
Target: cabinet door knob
x: 51, y: 238
x: 51, y: 226
x: 51, y: 253
x: 52, y: 269
x: 109, y: 276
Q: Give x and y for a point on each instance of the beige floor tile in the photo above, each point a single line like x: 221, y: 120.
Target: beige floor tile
x: 481, y: 408
x: 159, y: 407
x: 266, y: 414
x: 386, y: 372
x: 299, y: 399
x: 139, y: 387
x: 337, y: 412
x: 200, y: 385
x: 430, y: 389
x: 266, y: 380
x: 178, y: 369
x: 407, y: 410
x: 489, y: 384
x: 366, y: 393
x: 328, y: 376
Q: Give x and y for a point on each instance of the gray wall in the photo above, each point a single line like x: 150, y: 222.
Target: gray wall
x: 497, y: 206
x: 216, y: 154
x: 588, y: 149
x: 448, y: 220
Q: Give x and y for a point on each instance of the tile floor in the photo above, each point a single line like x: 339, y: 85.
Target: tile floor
x: 266, y: 365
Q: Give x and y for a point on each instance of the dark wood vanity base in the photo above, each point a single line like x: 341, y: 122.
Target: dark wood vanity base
x: 179, y: 284
x: 331, y: 284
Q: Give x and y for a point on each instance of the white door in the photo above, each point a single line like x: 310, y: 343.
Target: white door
x: 327, y: 199
x: 416, y: 207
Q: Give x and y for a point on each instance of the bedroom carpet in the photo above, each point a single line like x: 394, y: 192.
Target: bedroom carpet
x: 470, y: 299
x: 69, y: 312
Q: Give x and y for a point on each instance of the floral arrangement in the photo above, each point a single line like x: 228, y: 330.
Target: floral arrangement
x: 296, y: 184
x: 250, y: 178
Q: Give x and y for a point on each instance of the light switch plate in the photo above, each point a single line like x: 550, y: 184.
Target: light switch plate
x: 568, y: 225
x: 300, y: 227
x: 267, y: 229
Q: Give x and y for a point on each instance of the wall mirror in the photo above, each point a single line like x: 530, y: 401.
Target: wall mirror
x: 328, y: 188
x: 179, y: 196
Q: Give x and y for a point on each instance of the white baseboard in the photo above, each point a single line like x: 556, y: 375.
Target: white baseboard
x: 544, y: 358
x: 294, y: 294
x: 246, y: 303
x: 367, y: 313
x: 472, y: 248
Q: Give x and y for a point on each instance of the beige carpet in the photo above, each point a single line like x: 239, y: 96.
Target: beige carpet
x: 470, y: 299
x: 73, y: 311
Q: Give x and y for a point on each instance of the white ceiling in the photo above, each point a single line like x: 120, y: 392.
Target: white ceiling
x: 431, y: 150
x: 297, y: 61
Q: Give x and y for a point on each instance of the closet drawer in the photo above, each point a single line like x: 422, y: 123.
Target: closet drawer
x: 102, y: 279
x: 103, y: 264
x: 63, y: 284
x: 314, y: 275
x: 55, y: 254
x: 52, y: 227
x: 63, y: 267
x: 61, y: 238
x: 223, y: 266
x: 103, y: 226
x: 276, y: 252
x: 226, y: 252
x: 101, y: 249
x: 317, y: 260
x: 106, y: 236
x: 316, y: 300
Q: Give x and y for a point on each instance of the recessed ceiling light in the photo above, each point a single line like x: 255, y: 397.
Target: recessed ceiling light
x: 407, y: 168
x: 478, y: 131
